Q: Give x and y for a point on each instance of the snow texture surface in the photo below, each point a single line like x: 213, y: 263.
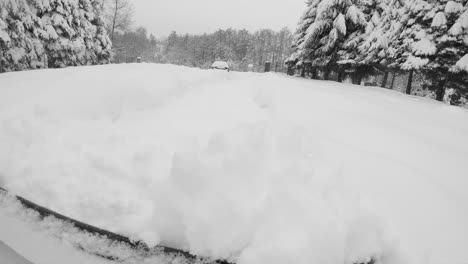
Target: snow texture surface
x: 258, y: 168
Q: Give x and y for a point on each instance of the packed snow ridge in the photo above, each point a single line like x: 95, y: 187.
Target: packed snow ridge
x: 256, y: 168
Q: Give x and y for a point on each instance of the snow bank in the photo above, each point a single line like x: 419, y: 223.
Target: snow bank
x: 258, y: 168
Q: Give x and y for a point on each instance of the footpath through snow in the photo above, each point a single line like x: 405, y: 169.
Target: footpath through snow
x: 258, y: 168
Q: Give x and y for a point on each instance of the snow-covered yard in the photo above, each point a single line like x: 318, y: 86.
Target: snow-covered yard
x: 258, y: 168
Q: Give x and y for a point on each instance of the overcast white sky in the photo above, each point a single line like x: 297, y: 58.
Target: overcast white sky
x: 160, y: 17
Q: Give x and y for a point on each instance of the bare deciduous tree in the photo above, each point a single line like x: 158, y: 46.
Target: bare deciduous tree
x: 119, y: 15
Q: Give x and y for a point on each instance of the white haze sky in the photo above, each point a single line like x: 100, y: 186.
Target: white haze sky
x: 160, y: 17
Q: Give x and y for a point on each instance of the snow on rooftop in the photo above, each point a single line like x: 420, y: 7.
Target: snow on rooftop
x: 258, y: 168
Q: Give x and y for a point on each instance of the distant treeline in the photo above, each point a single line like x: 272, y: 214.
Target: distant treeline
x: 238, y: 47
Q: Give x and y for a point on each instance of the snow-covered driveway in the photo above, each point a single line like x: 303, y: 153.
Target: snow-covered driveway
x: 261, y: 168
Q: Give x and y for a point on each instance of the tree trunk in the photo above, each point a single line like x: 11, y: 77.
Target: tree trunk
x: 114, y: 19
x: 340, y: 76
x: 410, y: 82
x: 385, y: 78
x: 393, y: 79
x: 361, y: 73
x: 303, y: 72
x: 314, y: 73
x: 2, y: 55
x: 359, y: 80
x: 440, y: 92
x: 355, y: 78
x: 326, y: 76
x: 290, y: 72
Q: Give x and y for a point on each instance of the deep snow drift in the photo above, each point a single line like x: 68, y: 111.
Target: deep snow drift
x: 261, y: 168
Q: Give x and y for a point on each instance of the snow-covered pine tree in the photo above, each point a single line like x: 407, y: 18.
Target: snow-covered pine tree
x: 20, y: 37
x: 365, y: 15
x: 65, y: 45
x: 300, y: 53
x: 335, y: 24
x: 52, y: 33
x: 4, y: 38
x: 380, y: 47
x: 436, y: 38
x: 95, y: 46
x: 459, y: 78
x: 102, y: 42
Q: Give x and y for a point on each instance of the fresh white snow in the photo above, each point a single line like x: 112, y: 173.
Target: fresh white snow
x: 258, y: 168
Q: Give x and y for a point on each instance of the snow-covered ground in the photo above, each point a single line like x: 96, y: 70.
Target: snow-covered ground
x: 259, y: 168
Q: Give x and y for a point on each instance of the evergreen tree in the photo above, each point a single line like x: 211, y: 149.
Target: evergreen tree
x: 436, y: 39
x: 380, y: 46
x: 54, y: 33
x: 20, y: 36
x: 77, y: 35
x: 364, y: 18
x: 337, y: 27
x: 299, y: 53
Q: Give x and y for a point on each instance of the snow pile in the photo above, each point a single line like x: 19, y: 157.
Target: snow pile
x: 257, y: 168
